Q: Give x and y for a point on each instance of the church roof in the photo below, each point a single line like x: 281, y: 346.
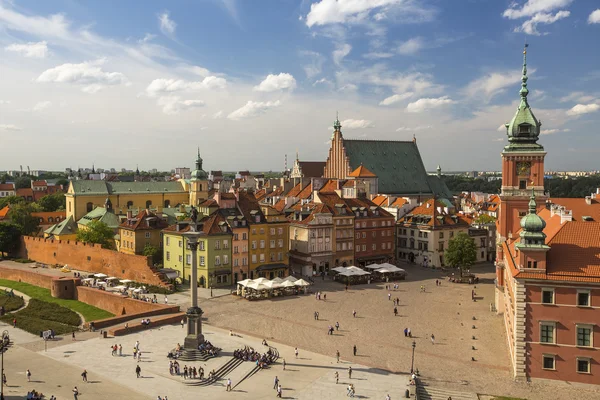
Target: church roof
x: 101, y: 214
x: 64, y: 227
x: 82, y: 188
x: 312, y: 169
x: 362, y: 172
x: 397, y: 164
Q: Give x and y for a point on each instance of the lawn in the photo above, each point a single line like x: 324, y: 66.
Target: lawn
x: 10, y: 303
x: 40, y: 316
x: 90, y: 313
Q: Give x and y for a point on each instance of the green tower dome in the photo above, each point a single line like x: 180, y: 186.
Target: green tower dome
x: 199, y: 174
x: 532, y: 234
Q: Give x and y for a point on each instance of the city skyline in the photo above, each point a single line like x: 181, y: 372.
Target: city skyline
x: 238, y: 80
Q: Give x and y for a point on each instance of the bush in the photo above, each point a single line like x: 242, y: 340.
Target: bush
x: 40, y: 316
x: 36, y: 325
x: 23, y: 260
x: 11, y: 303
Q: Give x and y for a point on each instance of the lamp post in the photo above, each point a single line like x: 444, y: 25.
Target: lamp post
x: 194, y: 313
x: 3, y: 347
x: 412, y: 362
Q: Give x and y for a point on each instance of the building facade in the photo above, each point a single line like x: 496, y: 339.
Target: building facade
x: 136, y: 232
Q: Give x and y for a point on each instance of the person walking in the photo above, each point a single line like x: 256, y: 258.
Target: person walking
x: 354, y: 313
x: 337, y: 326
x: 228, y: 388
x: 405, y: 332
x: 182, y: 323
x: 432, y: 339
x: 139, y: 356
x: 75, y: 392
x: 387, y: 397
x: 296, y: 352
x: 389, y: 296
x: 279, y: 391
x: 283, y: 363
x: 14, y: 322
x: 350, y: 372
x: 354, y: 350
x: 276, y: 382
x: 84, y: 375
x: 166, y: 300
x: 337, y: 377
x: 73, y: 336
x: 120, y: 350
x: 395, y: 311
x: 337, y: 356
x: 28, y: 373
x: 409, y: 333
x: 324, y: 296
x: 138, y: 371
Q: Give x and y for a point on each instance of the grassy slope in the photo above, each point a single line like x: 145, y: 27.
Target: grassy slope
x: 90, y: 313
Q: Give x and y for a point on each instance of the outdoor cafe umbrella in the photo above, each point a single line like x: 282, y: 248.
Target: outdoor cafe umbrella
x: 374, y: 266
x: 257, y: 286
x: 100, y: 275
x: 290, y: 279
x: 125, y: 281
x: 301, y: 282
x: 261, y: 280
x: 245, y: 282
x: 383, y: 271
x: 272, y: 285
x: 339, y: 269
x: 112, y: 278
x: 287, y: 284
x: 277, y: 280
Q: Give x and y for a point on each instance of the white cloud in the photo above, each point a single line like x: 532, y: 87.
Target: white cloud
x: 492, y: 84
x: 341, y: 52
x: 273, y: 83
x: 428, y: 103
x: 379, y: 16
x: 9, y: 127
x: 501, y: 128
x: 580, y: 109
x: 379, y: 75
x: 375, y: 55
x: 357, y: 124
x: 252, y: 109
x: 148, y: 37
x: 31, y: 49
x: 167, y: 25
x: 162, y: 85
x: 92, y: 89
x: 316, y: 64
x: 395, y: 99
x: 594, y: 17
x: 414, y: 129
x: 55, y: 25
x: 5, y: 102
x: 173, y: 104
x: 579, y: 97
x: 537, y: 12
x: 88, y: 73
x: 349, y: 87
x: 42, y: 105
x: 219, y: 114
x: 411, y: 46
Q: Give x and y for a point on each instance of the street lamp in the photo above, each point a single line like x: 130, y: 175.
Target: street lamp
x: 412, y: 362
x: 3, y: 347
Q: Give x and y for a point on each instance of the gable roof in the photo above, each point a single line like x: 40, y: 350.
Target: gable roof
x: 580, y: 208
x: 209, y: 225
x: 101, y: 214
x: 7, y: 186
x: 141, y: 222
x: 397, y: 164
x: 428, y: 214
x: 64, y: 227
x: 312, y: 169
x: 84, y: 187
x: 362, y: 172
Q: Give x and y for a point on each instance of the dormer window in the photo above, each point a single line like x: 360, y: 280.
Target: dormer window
x: 524, y: 129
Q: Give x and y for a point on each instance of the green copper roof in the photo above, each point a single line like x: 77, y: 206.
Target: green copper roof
x: 199, y: 174
x: 105, y: 188
x: 100, y: 214
x: 398, y: 166
x: 64, y: 227
x: 524, y: 129
x: 532, y: 235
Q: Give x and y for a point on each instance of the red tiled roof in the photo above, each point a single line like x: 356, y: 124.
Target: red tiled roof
x: 280, y: 205
x: 362, y: 172
x: 45, y: 215
x: 437, y: 218
x: 39, y: 183
x: 380, y: 200
x: 209, y: 203
x: 580, y: 208
x: 7, y: 186
x: 334, y: 201
x: 140, y: 222
x: 4, y: 212
x: 260, y: 194
x: 330, y: 186
x: 306, y: 192
x: 210, y: 225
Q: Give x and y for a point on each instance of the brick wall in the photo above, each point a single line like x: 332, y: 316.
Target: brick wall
x: 32, y: 278
x: 118, y: 304
x: 89, y: 257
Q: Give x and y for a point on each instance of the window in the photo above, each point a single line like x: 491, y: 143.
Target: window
x: 50, y: 219
x: 272, y: 256
x: 180, y: 243
x: 412, y: 233
x: 254, y: 244
x: 280, y: 256
x: 452, y: 234
x: 89, y: 207
x: 244, y: 237
x: 217, y: 260
x: 202, y: 262
x: 583, y: 298
x: 358, y: 235
x: 272, y: 244
x: 548, y: 361
x: 167, y: 203
x: 382, y: 233
x: 168, y: 256
x: 373, y: 246
x: 357, y: 225
x: 217, y: 244
x: 522, y: 184
x: 547, y: 330
x: 180, y: 258
x: 584, y: 335
x: 358, y: 249
x: 364, y: 247
x: 225, y: 244
x: 129, y: 204
x: 235, y: 262
x: 201, y: 243
x: 364, y: 235
x: 254, y: 231
x: 373, y: 234
x: 225, y: 259
x: 147, y: 235
x: 441, y: 235
x: 188, y: 259
x: 262, y: 257
x: 235, y: 236
x: 262, y: 231
x: 364, y: 224
x: 441, y: 246
x: 531, y: 264
x: 253, y: 258
x: 583, y: 365
x: 148, y: 203
x: 168, y: 241
x: 548, y: 296
x: 272, y: 231
x: 262, y: 244
x: 280, y: 231
x: 244, y: 261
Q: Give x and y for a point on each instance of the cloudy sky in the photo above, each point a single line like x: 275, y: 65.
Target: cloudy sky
x: 117, y: 84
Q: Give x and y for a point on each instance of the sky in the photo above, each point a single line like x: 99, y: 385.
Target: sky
x: 124, y: 83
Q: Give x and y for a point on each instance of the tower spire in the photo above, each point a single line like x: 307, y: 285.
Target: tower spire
x: 524, y: 91
x: 336, y: 124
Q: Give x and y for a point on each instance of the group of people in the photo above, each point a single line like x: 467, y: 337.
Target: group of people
x: 207, y: 347
x: 249, y: 354
x: 117, y: 350
x: 145, y: 322
x: 188, y: 372
x: 34, y: 395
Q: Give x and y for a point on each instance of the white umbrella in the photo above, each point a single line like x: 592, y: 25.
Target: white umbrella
x: 257, y: 286
x: 286, y: 284
x: 301, y: 282
x: 245, y: 282
x: 137, y: 290
x: 101, y: 283
x: 339, y: 269
x: 100, y: 275
x: 112, y: 278
x: 87, y: 279
x: 125, y: 281
x: 374, y: 266
x: 277, y: 280
x: 355, y: 269
x: 290, y: 279
x: 383, y: 270
x: 272, y: 285
x: 261, y: 280
x: 348, y: 273
x: 121, y: 287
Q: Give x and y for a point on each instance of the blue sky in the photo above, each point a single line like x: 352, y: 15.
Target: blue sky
x: 120, y: 83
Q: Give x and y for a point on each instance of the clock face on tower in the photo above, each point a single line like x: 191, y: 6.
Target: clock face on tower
x: 523, y: 168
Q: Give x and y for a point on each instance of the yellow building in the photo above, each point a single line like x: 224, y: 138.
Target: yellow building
x: 83, y: 196
x: 214, y: 251
x: 137, y: 232
x: 268, y: 238
x: 64, y: 230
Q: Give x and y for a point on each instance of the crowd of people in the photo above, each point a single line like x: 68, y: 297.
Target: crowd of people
x: 249, y: 354
x: 188, y: 372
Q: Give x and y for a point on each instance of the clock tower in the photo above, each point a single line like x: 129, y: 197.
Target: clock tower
x: 522, y: 166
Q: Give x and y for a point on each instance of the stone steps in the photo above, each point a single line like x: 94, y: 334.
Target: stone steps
x: 431, y: 393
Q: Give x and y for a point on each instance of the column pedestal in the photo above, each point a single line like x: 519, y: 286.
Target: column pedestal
x: 194, y: 329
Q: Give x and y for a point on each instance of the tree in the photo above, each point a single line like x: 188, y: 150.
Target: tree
x: 485, y: 219
x: 22, y: 182
x: 9, y: 237
x: 20, y: 215
x: 11, y: 200
x: 53, y: 202
x: 97, y: 232
x: 461, y: 253
x: 154, y: 252
x: 64, y: 182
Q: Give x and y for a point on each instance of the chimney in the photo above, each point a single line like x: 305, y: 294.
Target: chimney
x: 217, y: 197
x: 129, y: 214
x: 588, y: 200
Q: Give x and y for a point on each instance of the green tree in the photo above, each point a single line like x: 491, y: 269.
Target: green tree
x: 461, y: 253
x: 485, y: 219
x: 53, y: 202
x: 97, y: 232
x: 9, y: 237
x: 154, y: 252
x: 64, y: 182
x: 11, y: 200
x: 20, y: 215
x: 22, y: 182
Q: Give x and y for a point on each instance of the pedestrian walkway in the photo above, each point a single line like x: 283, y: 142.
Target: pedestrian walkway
x: 427, y: 392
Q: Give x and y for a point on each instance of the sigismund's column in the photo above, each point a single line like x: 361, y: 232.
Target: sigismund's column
x: 194, y: 313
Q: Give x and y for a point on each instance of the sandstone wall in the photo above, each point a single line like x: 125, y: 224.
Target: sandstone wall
x: 90, y: 258
x: 32, y: 278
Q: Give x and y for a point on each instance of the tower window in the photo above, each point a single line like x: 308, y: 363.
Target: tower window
x: 524, y: 128
x: 522, y: 184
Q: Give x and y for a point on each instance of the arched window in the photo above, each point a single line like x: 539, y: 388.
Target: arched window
x: 41, y: 220
x: 148, y: 203
x: 167, y: 203
x: 89, y: 206
x: 50, y: 219
x: 129, y: 204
